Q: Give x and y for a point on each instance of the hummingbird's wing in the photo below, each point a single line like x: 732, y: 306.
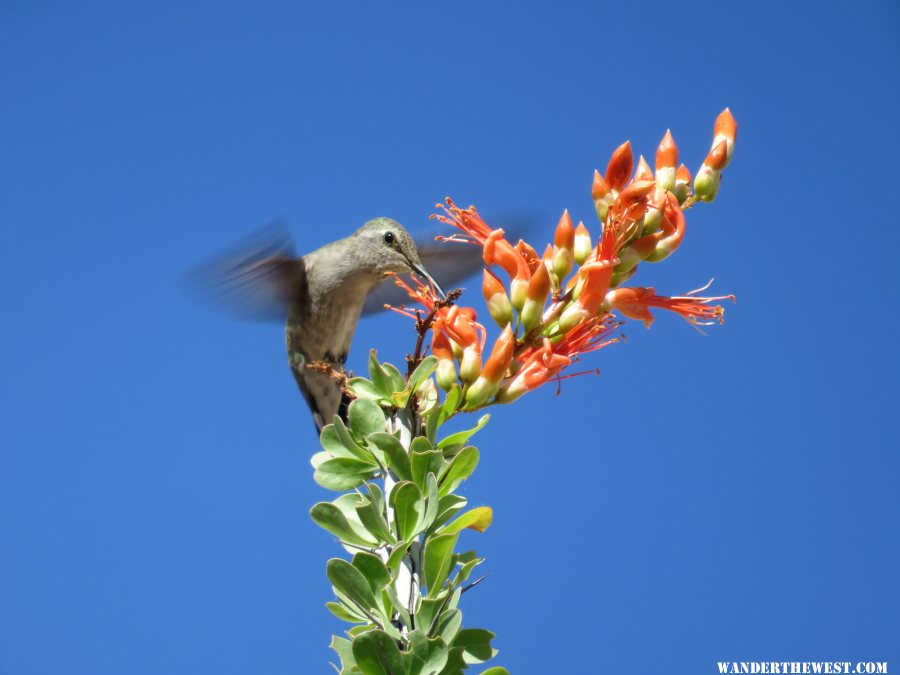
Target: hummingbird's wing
x: 258, y: 280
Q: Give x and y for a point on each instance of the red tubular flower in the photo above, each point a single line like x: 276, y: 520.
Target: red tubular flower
x: 618, y: 171
x: 494, y: 370
x: 467, y: 221
x: 468, y: 336
x: 635, y: 303
x: 498, y: 250
x: 538, y: 365
x: 529, y: 255
x: 596, y: 277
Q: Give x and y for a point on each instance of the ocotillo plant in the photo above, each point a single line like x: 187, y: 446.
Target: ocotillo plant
x: 399, y: 516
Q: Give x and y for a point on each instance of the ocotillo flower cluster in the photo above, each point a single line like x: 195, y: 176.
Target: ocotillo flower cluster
x: 562, y: 303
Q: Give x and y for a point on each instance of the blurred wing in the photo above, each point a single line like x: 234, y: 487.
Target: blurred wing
x: 450, y: 263
x: 258, y: 280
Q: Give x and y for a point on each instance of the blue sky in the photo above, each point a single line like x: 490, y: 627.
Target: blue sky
x: 728, y: 497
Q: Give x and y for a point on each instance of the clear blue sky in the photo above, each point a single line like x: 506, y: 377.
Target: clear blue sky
x: 725, y: 497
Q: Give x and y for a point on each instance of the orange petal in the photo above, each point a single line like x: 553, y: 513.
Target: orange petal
x: 565, y: 232
x: 600, y: 188
x: 618, y: 171
x: 667, y: 153
x: 643, y: 171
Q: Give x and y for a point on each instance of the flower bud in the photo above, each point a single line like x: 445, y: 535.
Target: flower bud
x: 643, y: 171
x: 498, y: 303
x: 442, y: 349
x: 666, y: 161
x: 706, y: 183
x: 494, y: 370
x: 683, y: 181
x: 564, y: 241
x: 470, y: 364
x: 583, y: 245
x: 602, y: 194
x: 538, y: 289
x: 618, y: 171
x: 725, y: 129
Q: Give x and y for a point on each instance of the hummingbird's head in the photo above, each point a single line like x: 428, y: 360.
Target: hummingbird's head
x: 392, y: 249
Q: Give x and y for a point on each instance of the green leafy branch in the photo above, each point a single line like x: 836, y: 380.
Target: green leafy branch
x: 400, y: 520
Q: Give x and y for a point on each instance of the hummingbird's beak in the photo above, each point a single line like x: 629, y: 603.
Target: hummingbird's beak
x: 422, y: 272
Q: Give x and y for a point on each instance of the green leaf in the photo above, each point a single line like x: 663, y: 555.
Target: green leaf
x: 344, y: 650
x: 425, y: 656
x: 496, y: 670
x: 345, y: 438
x: 461, y: 467
x: 329, y: 517
x: 344, y: 613
x: 343, y: 473
x: 449, y: 506
x: 438, y: 557
x: 478, y: 519
x: 380, y: 378
x: 463, y: 436
x: 420, y: 444
x: 351, y: 582
x: 373, y: 520
x: 376, y: 653
x: 432, y: 501
x: 423, y: 463
x: 372, y: 569
x: 424, y: 370
x: 475, y: 644
x: 448, y: 624
x: 366, y: 389
x: 465, y: 570
x: 334, y: 444
x: 396, y: 556
x: 429, y: 608
x: 394, y: 451
x: 399, y: 605
x: 366, y: 417
x: 406, y: 499
x: 397, y: 380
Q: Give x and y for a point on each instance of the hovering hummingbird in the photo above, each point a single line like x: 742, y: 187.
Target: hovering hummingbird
x: 323, y: 294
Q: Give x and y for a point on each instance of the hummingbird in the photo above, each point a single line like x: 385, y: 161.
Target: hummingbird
x: 322, y: 295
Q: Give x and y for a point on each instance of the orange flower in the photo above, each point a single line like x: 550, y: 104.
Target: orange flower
x: 494, y: 370
x: 635, y: 303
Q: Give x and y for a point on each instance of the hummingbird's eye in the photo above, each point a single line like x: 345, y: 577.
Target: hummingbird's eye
x: 389, y: 238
